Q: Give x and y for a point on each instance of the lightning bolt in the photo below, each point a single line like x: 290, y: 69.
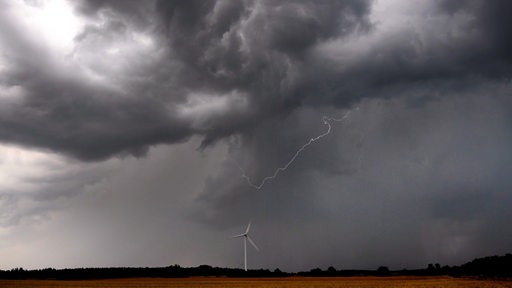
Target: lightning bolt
x: 326, y: 121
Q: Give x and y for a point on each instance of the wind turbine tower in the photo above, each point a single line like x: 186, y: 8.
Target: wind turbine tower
x: 246, y: 238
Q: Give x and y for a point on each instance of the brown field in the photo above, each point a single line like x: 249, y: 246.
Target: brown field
x: 293, y: 282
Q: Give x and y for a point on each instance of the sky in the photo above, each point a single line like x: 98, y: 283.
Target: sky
x: 351, y: 134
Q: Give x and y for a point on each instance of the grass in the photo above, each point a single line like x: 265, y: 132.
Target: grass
x: 292, y: 282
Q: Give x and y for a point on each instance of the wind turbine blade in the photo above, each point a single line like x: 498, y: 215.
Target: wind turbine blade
x: 252, y: 243
x: 238, y: 236
x: 248, y: 227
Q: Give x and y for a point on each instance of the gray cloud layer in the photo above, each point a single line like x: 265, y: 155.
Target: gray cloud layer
x: 278, y: 56
x: 255, y: 49
x: 417, y: 173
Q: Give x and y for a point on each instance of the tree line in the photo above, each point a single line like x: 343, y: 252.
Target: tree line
x: 489, y: 267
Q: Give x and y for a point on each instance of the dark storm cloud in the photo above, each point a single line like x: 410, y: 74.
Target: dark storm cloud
x: 266, y: 50
x: 215, y: 47
x: 69, y: 121
x: 67, y: 114
x: 492, y: 17
x: 467, y: 41
x: 257, y: 48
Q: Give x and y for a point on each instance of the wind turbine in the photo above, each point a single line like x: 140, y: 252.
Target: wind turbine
x: 246, y: 237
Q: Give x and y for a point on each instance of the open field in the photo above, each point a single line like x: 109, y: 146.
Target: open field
x: 292, y: 282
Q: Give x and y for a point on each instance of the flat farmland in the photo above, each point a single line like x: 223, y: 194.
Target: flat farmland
x: 292, y: 282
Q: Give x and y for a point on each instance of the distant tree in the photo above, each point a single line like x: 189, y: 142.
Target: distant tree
x: 315, y: 272
x: 492, y: 266
x: 383, y: 271
x: 331, y: 271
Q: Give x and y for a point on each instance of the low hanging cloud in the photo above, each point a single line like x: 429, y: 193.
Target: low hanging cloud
x: 124, y: 83
x: 128, y: 70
